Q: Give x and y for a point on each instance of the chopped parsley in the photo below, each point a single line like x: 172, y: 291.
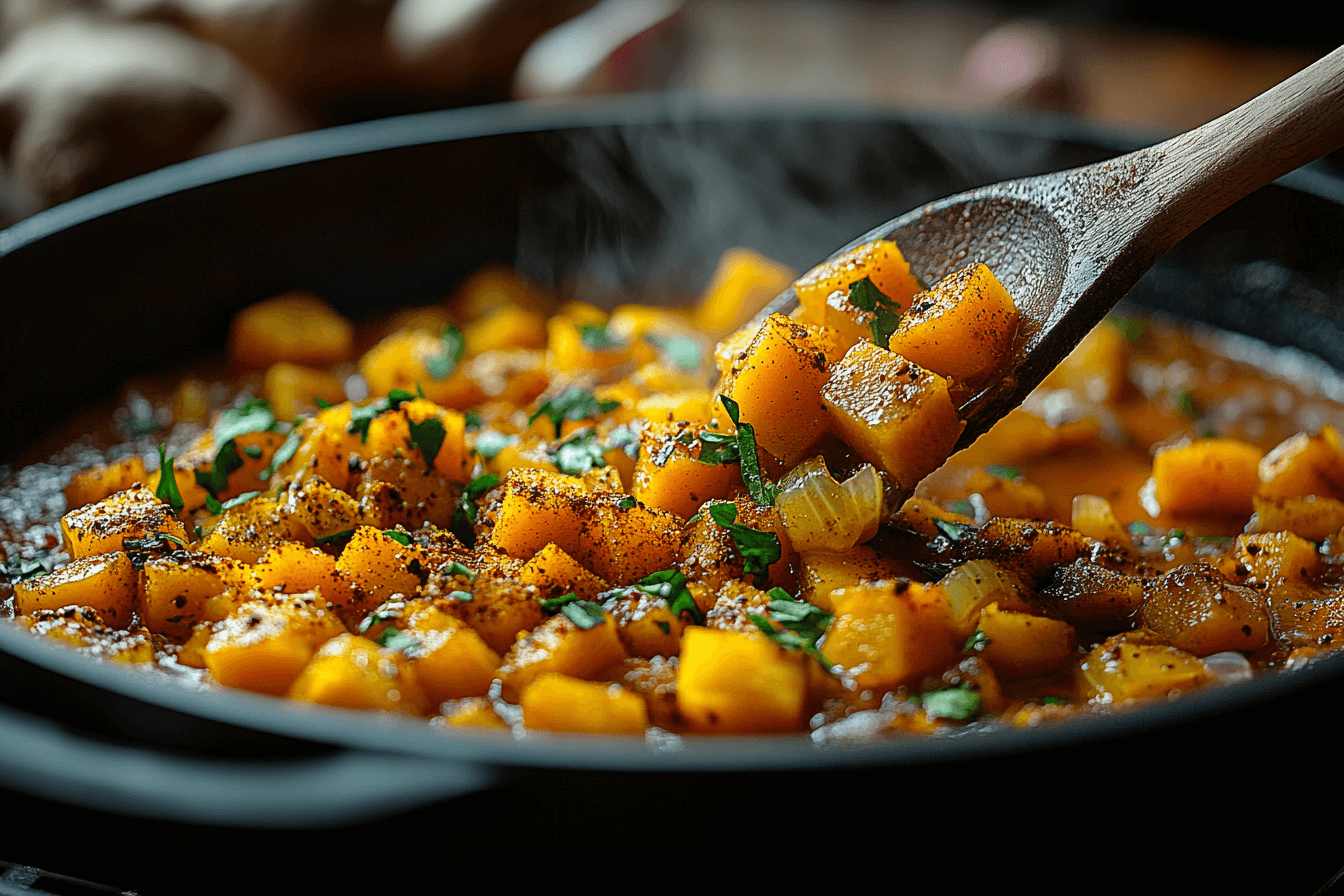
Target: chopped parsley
x: 1003, y: 472
x: 215, y: 506
x: 574, y: 405
x: 758, y: 549
x: 964, y: 508
x: 1139, y: 528
x: 864, y: 295
x: 473, y: 420
x: 167, y: 490
x: 579, y: 453
x: 489, y: 443
x: 400, y: 538
x: 583, y: 613
x: 453, y: 346
x: 597, y: 338
x: 954, y: 531
x: 670, y: 585
x: 428, y: 436
x: 801, y: 624
x: 362, y: 416
x: 463, y: 596
x: 953, y: 703
x: 553, y: 604
x: 627, y: 503
x: 396, y: 639
x: 282, y: 454
x: 464, y: 516
x: 254, y: 416
x: 333, y: 537
x: 457, y: 569
x: 762, y: 490
x: 682, y: 351
x: 717, y: 449
x: 19, y: 570
x: 976, y: 641
x: 1131, y: 328
x: 1185, y: 403
x: 140, y: 549
x: 623, y: 438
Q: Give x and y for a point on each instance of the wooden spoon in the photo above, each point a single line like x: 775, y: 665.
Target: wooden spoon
x: 1069, y: 245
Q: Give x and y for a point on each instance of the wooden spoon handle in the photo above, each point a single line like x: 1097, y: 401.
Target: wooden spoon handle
x: 1162, y: 193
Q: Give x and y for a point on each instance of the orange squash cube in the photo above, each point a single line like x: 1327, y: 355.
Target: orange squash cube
x: 106, y: 583
x: 555, y: 702
x: 823, y: 292
x: 263, y: 645
x: 888, y: 634
x: 102, y: 527
x: 295, y: 327
x: 1208, y: 476
x: 739, y: 682
x: 355, y: 673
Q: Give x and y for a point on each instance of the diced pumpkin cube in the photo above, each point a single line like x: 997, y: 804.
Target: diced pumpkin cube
x: 556, y: 702
x: 452, y: 660
x: 499, y: 610
x: 1098, y: 367
x: 1304, y: 465
x: 823, y: 572
x: 100, y: 482
x: 294, y: 327
x: 355, y: 673
x: 880, y: 261
x: 380, y: 565
x: 743, y: 283
x: 413, y: 359
x: 558, y: 645
x: 669, y: 474
x: 107, y: 583
x: 1312, y: 517
x: 1134, y: 666
x: 102, y: 527
x: 327, y: 449
x: 264, y: 645
x: 400, y: 491
x: 1208, y: 476
x: 505, y: 327
x: 83, y: 629
x: 962, y: 328
x: 739, y: 682
x: 293, y: 568
x: 180, y: 591
x: 554, y: 573
x: 710, y: 555
x: 247, y: 531
x: 390, y: 433
x: 474, y: 711
x: 1021, y: 644
x: 579, y: 344
x: 888, y: 634
x: 539, y: 508
x: 323, y: 510
x: 646, y: 626
x: 1196, y: 609
x: 893, y: 412
x: 1274, y: 555
x: 293, y: 389
x: 777, y: 383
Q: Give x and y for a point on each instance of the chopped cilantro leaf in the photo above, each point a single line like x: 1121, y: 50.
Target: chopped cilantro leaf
x: 573, y: 405
x: 1131, y: 328
x: 333, y: 537
x: 396, y: 639
x: 363, y: 415
x: 1003, y: 472
x: 282, y: 454
x: 954, y: 531
x: 664, y: 627
x: 627, y: 503
x: 473, y: 420
x: 964, y: 508
x: 717, y: 449
x: 1139, y: 528
x: 463, y: 596
x: 579, y: 453
x: 553, y: 604
x: 670, y: 585
x: 20, y: 570
x: 864, y: 295
x: 762, y: 490
x: 457, y: 569
x: 140, y: 549
x: 400, y: 538
x: 215, y: 506
x: 758, y: 549
x: 976, y: 641
x: 322, y: 403
x: 453, y: 345
x: 253, y: 451
x: 583, y: 613
x: 1053, y: 701
x: 428, y: 436
x: 684, y: 352
x: 254, y: 416
x: 489, y: 443
x: 167, y: 489
x: 1185, y: 403
x: 953, y: 703
x: 464, y: 515
x: 790, y: 639
x: 884, y: 323
x: 596, y: 338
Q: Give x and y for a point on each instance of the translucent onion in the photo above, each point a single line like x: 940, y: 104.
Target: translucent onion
x: 1093, y: 516
x: 821, y: 514
x: 971, y: 587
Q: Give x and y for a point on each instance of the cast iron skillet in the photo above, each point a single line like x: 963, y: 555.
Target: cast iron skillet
x: 602, y: 201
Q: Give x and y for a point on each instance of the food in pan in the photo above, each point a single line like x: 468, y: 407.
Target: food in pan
x: 485, y: 515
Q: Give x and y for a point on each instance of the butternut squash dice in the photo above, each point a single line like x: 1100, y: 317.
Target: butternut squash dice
x: 739, y: 682
x: 264, y: 645
x: 669, y: 474
x: 355, y: 673
x: 893, y: 412
x: 646, y: 626
x: 247, y: 531
x: 558, y: 645
x: 888, y: 634
x: 554, y: 573
x: 1312, y: 517
x: 555, y: 702
x: 379, y: 565
x: 742, y: 284
x: 880, y: 261
x: 405, y: 360
x: 1304, y: 465
x: 293, y: 389
x: 1197, y: 610
x: 185, y: 589
x: 822, y: 572
x: 1134, y: 666
x: 322, y: 509
x: 107, y: 583
x: 102, y: 527
x: 293, y: 568
x: 499, y: 611
x: 452, y: 660
x: 295, y: 327
x: 962, y: 328
x: 1022, y: 644
x: 1208, y: 476
x: 1278, y: 555
x: 776, y: 382
x: 100, y: 482
x: 505, y: 327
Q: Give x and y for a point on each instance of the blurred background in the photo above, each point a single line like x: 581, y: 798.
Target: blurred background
x: 95, y: 91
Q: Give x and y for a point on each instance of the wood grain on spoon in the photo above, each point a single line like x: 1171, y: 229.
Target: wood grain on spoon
x: 1069, y: 245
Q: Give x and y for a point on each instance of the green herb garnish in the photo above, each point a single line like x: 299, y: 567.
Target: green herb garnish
x: 400, y: 538
x: 453, y: 345
x: 717, y: 449
x: 583, y: 613
x: 953, y: 703
x: 428, y: 436
x: 758, y: 549
x: 254, y: 416
x: 463, y: 596
x: 598, y: 339
x: 864, y: 295
x: 1139, y: 528
x: 362, y: 416
x: 801, y: 624
x: 627, y: 503
x: 139, y: 549
x: 1131, y: 328
x: 282, y: 454
x: 762, y: 490
x: 167, y: 488
x: 464, y: 516
x: 395, y: 639
x: 457, y: 569
x: 954, y: 531
x: 473, y: 420
x: 489, y: 443
x: 215, y: 506
x: 333, y: 537
x: 579, y: 453
x: 964, y: 508
x: 976, y: 641
x: 1185, y: 403
x: 573, y: 405
x: 20, y: 570
x: 1003, y: 472
x: 670, y: 585
x: 684, y: 352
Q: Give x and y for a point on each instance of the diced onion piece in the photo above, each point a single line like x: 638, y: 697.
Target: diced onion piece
x: 970, y: 588
x: 821, y: 514
x: 1093, y: 516
x: 1228, y: 667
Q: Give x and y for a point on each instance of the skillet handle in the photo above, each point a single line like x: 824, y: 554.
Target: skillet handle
x: 43, y: 759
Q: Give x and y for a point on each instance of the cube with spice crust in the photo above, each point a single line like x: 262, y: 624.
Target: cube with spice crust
x: 101, y: 527
x: 776, y: 382
x: 355, y: 673
x: 562, y: 645
x: 888, y: 634
x: 264, y: 645
x: 893, y: 412
x: 106, y: 583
